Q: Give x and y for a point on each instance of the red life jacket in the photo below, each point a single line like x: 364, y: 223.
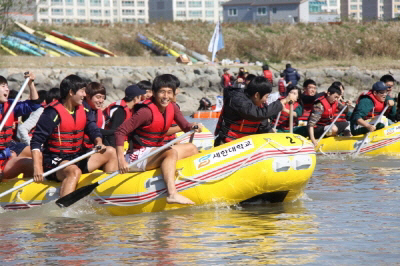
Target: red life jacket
x: 153, y: 135
x: 378, y: 105
x: 307, y: 108
x: 342, y: 117
x: 6, y: 134
x: 268, y: 75
x: 67, y: 137
x: 100, y: 122
x: 239, y: 129
x: 281, y: 87
x: 218, y: 127
x: 170, y: 137
x: 283, y: 122
x: 227, y: 80
x: 108, y: 112
x: 329, y: 111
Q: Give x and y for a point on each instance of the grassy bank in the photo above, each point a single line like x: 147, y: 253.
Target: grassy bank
x: 305, y: 43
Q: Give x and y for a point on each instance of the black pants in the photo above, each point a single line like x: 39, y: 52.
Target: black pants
x: 319, y: 130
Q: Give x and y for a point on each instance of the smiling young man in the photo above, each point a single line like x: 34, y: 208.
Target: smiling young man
x: 323, y: 114
x: 60, y: 131
x: 147, y: 129
x: 371, y: 104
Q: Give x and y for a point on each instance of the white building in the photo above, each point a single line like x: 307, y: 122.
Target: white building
x: 351, y: 10
x: 92, y: 11
x: 182, y: 10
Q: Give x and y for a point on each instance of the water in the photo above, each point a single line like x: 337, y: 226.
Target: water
x: 349, y: 215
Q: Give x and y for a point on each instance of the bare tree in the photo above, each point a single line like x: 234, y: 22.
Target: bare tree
x: 9, y: 6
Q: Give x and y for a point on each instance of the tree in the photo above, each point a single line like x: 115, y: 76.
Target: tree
x: 8, y: 6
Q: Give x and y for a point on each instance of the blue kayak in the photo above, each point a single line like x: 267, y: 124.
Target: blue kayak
x: 13, y: 44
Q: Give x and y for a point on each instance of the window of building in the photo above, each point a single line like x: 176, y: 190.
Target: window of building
x: 209, y: 3
x: 57, y: 20
x: 333, y: 2
x: 107, y: 13
x: 115, y: 2
x: 381, y: 8
x: 115, y: 20
x: 96, y: 21
x: 81, y: 2
x: 274, y: 10
x: 81, y: 20
x: 262, y: 11
x: 56, y: 2
x: 194, y: 3
x: 232, y: 12
x: 95, y: 2
x: 43, y: 11
x: 354, y: 1
x: 44, y: 20
x: 57, y: 11
x: 69, y: 2
x: 353, y: 7
x: 115, y: 12
x: 95, y: 12
x: 209, y: 13
x: 128, y: 12
x: 195, y: 14
x: 81, y: 12
x: 43, y: 2
x: 107, y: 3
x: 69, y: 12
x: 128, y: 20
x: 141, y: 21
x: 140, y: 12
x: 140, y: 3
x: 68, y: 20
x: 181, y: 13
x: 180, y: 4
x: 128, y: 3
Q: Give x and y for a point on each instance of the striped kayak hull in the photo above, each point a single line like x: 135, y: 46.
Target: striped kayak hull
x: 266, y: 166
x: 7, y: 50
x: 18, y: 46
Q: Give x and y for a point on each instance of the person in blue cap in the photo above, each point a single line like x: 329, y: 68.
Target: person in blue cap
x: 370, y: 104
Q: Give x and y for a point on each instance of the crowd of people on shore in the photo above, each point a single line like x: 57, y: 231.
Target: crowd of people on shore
x: 62, y: 124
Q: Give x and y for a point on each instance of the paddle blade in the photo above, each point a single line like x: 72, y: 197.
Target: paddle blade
x: 75, y: 196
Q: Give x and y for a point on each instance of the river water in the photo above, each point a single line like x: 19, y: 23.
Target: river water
x: 349, y: 215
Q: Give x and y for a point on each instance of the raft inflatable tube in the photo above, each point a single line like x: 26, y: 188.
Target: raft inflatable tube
x: 273, y: 166
x: 206, y: 114
x: 203, y: 140
x: 385, y: 141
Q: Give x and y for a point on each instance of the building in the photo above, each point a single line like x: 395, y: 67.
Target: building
x: 266, y: 11
x: 92, y: 11
x: 351, y: 10
x: 23, y: 11
x: 184, y: 10
x: 324, y: 11
x: 372, y: 10
x: 391, y: 9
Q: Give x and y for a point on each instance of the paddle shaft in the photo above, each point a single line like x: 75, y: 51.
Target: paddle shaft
x: 277, y: 120
x: 291, y: 117
x: 331, y: 125
x: 366, y: 136
x: 169, y: 144
x: 3, y: 122
x: 49, y: 172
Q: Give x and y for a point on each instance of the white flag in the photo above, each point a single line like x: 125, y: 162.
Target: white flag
x: 217, y: 41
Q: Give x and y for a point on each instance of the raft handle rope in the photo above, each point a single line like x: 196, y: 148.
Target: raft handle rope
x: 284, y: 148
x: 21, y: 200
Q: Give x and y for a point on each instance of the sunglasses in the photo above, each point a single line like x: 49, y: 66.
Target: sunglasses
x: 382, y: 92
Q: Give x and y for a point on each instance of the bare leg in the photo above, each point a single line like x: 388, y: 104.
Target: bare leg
x: 26, y: 152
x: 69, y: 176
x: 107, y: 160
x: 18, y: 165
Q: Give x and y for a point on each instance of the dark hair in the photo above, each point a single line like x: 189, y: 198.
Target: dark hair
x: 338, y: 84
x: 144, y: 85
x: 72, y: 82
x: 265, y: 67
x: 12, y: 94
x: 290, y: 87
x: 250, y: 77
x: 282, y: 74
x: 258, y: 84
x: 178, y: 82
x: 334, y: 89
x: 3, y: 80
x: 53, y: 93
x: 42, y: 95
x: 387, y: 78
x: 94, y: 88
x: 288, y: 66
x: 164, y: 81
x: 308, y: 82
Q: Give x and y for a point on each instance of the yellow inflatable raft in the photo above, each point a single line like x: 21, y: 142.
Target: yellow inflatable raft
x: 276, y: 167
x: 385, y: 141
x: 203, y: 140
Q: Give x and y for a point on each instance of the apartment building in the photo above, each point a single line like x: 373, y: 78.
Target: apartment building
x: 391, y: 9
x: 92, y: 11
x: 351, y: 10
x: 184, y: 10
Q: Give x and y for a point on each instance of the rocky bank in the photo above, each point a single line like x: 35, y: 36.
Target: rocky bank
x: 196, y: 81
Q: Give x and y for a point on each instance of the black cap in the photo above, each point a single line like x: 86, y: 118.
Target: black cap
x: 379, y: 86
x: 133, y: 90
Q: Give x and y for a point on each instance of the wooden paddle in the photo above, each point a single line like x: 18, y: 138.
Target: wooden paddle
x: 11, y: 108
x: 331, y: 125
x: 366, y: 136
x: 82, y: 192
x: 51, y: 171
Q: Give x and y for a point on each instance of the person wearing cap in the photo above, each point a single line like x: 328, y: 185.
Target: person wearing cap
x: 226, y: 78
x: 59, y: 135
x: 120, y: 111
x: 369, y: 105
x: 241, y: 74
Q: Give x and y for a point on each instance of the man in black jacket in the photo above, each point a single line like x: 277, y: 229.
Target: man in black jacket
x: 244, y: 112
x: 291, y: 75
